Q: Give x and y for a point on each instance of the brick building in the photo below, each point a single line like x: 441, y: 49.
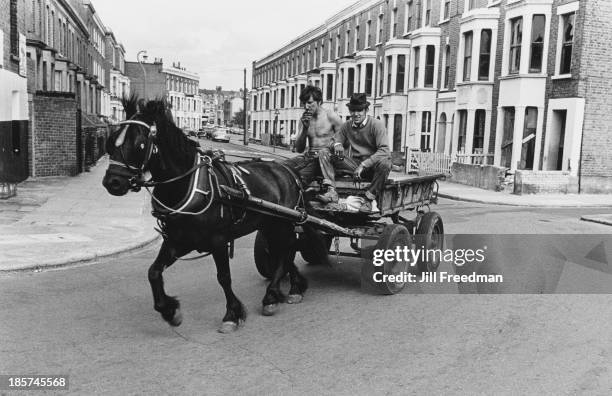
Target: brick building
x: 520, y: 84
x: 118, y: 82
x: 13, y: 96
x: 68, y: 86
x: 175, y: 84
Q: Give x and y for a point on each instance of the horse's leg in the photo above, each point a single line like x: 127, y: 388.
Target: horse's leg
x: 168, y: 307
x: 236, y: 312
x: 299, y: 284
x: 282, y: 251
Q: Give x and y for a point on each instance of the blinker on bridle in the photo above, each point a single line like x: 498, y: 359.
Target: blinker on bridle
x: 150, y: 149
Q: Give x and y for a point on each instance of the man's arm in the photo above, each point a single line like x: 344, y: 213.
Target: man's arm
x: 300, y: 139
x: 382, y: 147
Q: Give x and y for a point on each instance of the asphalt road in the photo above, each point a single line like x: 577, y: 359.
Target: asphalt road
x: 96, y: 323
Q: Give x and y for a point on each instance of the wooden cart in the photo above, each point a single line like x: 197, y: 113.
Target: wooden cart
x: 367, y: 232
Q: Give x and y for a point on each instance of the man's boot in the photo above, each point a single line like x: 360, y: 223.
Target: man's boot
x: 331, y: 196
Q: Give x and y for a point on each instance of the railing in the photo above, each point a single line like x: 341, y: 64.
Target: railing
x: 433, y: 163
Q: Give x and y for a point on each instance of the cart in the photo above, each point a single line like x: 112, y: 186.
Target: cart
x: 386, y: 230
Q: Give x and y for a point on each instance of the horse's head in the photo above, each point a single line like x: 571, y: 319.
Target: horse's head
x: 130, y: 147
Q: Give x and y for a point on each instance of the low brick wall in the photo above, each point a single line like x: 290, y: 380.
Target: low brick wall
x: 533, y: 182
x: 488, y: 177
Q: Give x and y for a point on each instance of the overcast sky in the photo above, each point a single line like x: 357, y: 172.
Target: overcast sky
x: 216, y: 39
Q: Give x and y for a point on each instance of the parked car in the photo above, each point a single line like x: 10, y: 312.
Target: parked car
x: 206, y: 132
x: 221, y: 134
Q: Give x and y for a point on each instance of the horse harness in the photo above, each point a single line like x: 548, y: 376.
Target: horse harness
x: 195, y: 203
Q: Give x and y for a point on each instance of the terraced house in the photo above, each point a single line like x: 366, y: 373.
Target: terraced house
x: 13, y: 97
x: 69, y: 91
x: 517, y: 85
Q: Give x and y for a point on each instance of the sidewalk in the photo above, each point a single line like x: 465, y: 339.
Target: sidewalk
x: 58, y: 221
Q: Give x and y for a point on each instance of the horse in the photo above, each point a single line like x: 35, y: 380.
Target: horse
x: 192, y: 210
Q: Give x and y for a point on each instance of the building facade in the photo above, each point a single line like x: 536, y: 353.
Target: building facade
x: 13, y: 96
x: 69, y: 92
x: 175, y: 84
x: 118, y: 82
x: 516, y: 83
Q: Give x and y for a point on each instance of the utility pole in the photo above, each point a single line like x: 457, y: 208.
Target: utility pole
x: 244, y: 112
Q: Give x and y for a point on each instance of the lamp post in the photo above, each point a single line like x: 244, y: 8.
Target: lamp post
x: 144, y: 72
x: 276, y: 113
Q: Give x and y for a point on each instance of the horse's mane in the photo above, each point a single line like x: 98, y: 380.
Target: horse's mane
x: 173, y: 143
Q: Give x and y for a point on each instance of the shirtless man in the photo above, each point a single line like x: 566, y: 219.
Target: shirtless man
x: 317, y: 128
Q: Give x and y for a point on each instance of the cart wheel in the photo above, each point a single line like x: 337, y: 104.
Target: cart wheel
x: 430, y: 235
x: 262, y: 256
x: 314, y: 247
x: 393, y: 235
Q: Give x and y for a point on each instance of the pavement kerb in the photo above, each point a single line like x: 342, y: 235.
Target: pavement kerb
x: 526, y: 204
x: 85, y: 258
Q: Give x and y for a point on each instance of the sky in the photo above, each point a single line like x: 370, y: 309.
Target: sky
x: 216, y: 39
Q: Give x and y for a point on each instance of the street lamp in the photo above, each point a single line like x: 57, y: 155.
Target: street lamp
x: 144, y: 73
x: 276, y: 113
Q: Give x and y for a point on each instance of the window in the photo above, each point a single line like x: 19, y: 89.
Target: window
x: 347, y: 40
x: 267, y: 101
x: 401, y: 71
x: 329, y: 49
x: 393, y: 22
x: 380, y: 78
x: 567, y: 43
x: 529, y: 134
x: 338, y: 46
x: 14, y: 33
x: 467, y: 56
x: 389, y: 67
x: 537, y: 43
x: 322, y: 51
x: 430, y: 57
x: 379, y: 35
x: 329, y: 87
x: 447, y: 66
x: 417, y: 51
x: 341, y: 94
x: 397, y: 132
x: 462, y: 131
x: 516, y: 37
x: 426, y: 131
x: 427, y: 13
x: 359, y: 78
x: 479, y: 130
x: 368, y: 78
x: 484, y: 59
x: 350, y: 84
x: 446, y: 9
x: 356, y: 38
x: 508, y: 137
x: 367, y: 34
x: 282, y: 98
x: 409, y: 10
x: 471, y: 4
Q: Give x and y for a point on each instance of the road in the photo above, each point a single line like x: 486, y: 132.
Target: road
x: 97, y: 324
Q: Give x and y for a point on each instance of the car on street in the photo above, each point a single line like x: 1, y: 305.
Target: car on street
x: 221, y: 134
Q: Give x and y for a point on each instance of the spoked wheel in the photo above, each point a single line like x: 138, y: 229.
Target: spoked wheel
x: 263, y: 262
x: 429, y: 236
x: 389, y: 276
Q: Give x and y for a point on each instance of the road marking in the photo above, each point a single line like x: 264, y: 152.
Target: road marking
x: 19, y: 239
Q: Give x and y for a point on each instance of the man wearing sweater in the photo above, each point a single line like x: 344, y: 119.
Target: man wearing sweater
x: 364, y: 140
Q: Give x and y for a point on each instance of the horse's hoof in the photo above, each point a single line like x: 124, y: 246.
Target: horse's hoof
x: 295, y: 299
x: 177, y: 319
x: 270, y: 309
x: 228, y: 327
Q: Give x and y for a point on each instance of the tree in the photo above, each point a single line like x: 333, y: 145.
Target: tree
x: 238, y: 118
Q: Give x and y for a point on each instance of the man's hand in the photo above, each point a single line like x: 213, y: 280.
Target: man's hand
x: 357, y: 173
x: 338, y: 150
x: 306, y: 119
